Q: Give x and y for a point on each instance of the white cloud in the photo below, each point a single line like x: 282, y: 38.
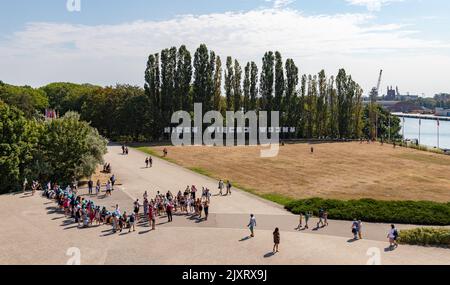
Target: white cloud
x: 372, y: 5
x: 106, y: 54
x: 281, y: 3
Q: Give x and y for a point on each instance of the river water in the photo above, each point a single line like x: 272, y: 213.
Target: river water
x: 428, y: 132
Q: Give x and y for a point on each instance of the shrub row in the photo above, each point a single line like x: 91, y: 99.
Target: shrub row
x: 425, y: 236
x: 403, y: 212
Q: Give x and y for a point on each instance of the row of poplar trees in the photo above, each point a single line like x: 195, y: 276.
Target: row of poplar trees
x: 316, y: 105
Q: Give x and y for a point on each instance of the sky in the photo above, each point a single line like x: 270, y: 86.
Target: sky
x: 107, y: 42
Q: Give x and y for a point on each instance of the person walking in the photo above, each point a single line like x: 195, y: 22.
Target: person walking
x: 146, y: 162
x: 251, y: 225
x: 150, y: 161
x: 320, y: 222
x: 325, y: 218
x: 355, y: 229
x: 276, y: 240
x: 393, y: 236
x: 308, y: 215
x: 300, y: 222
x: 360, y: 229
x: 221, y: 185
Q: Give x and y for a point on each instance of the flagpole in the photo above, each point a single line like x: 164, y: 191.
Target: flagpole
x: 420, y: 124
x: 438, y: 133
x: 389, y: 127
x: 403, y: 130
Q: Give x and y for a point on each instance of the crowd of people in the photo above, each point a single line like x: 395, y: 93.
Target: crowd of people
x: 85, y: 212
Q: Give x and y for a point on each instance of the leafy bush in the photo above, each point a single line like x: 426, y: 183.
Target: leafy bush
x: 404, y: 212
x: 425, y: 236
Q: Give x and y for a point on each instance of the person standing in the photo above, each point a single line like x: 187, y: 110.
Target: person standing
x: 113, y: 181
x: 208, y: 195
x: 228, y: 187
x: 206, y: 209
x: 152, y: 215
x: 169, y: 211
x: 132, y: 221
x: 146, y: 162
x: 97, y: 187
x: 393, y: 236
x: 200, y: 208
x: 276, y: 240
x: 251, y: 225
x: 108, y: 188
x: 25, y: 184
x: 193, y: 190
x: 90, y: 186
x: 137, y: 206
x: 145, y: 207
x: 150, y: 161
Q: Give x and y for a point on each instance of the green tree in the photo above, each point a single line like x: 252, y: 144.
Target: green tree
x: 246, y: 88
x: 279, y: 85
x: 237, y: 89
x: 266, y: 85
x: 18, y: 139
x: 290, y: 101
x: 68, y: 149
x: 168, y: 98
x: 253, y: 86
x: 183, y: 80
x: 153, y: 91
x: 30, y: 101
x: 229, y: 79
x: 321, y: 114
x: 218, y: 85
x: 64, y: 96
x: 203, y: 87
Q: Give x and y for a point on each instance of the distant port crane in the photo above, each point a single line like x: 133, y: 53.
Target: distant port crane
x: 373, y: 110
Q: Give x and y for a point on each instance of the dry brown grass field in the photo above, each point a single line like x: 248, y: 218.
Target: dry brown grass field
x: 335, y: 170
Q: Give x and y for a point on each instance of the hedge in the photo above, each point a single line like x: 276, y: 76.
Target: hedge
x: 425, y: 236
x: 369, y: 210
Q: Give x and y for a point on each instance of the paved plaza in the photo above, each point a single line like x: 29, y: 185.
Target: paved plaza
x: 34, y: 233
